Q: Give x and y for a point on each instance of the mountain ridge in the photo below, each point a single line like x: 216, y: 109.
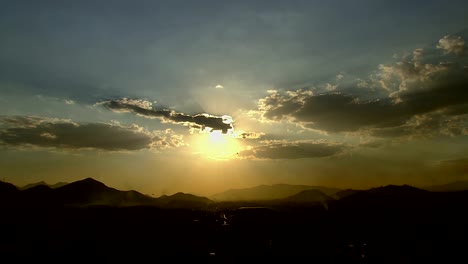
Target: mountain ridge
x: 90, y: 192
x: 53, y: 186
x: 268, y: 192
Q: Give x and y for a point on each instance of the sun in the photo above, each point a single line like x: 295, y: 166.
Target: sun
x: 217, y: 145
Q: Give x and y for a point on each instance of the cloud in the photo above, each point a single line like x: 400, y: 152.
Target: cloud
x: 219, y: 86
x: 421, y: 96
x: 48, y: 132
x: 248, y: 135
x: 452, y: 44
x: 332, y: 112
x: 330, y: 87
x: 292, y: 150
x: 144, y: 108
x: 424, y: 126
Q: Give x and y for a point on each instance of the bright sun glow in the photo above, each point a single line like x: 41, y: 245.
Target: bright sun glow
x: 217, y: 145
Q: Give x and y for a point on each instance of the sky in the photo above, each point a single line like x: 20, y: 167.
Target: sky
x: 204, y: 96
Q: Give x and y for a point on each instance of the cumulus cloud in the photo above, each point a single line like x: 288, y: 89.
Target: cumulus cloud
x: 422, y: 95
x: 292, y: 150
x: 219, y: 86
x: 452, y: 44
x: 47, y: 132
x: 145, y: 108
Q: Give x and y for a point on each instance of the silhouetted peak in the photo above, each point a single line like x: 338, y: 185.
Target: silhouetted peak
x: 27, y: 186
x: 38, y: 188
x: 89, y: 180
x: 396, y: 189
x: 268, y: 192
x: 186, y: 196
x: 53, y: 186
x: 7, y: 187
x: 346, y: 193
x: 309, y: 196
x: 88, y: 184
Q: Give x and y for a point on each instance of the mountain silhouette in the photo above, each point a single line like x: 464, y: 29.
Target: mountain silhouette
x: 308, y: 196
x: 344, y: 193
x: 397, y: 190
x: 8, y: 194
x: 183, y: 200
x: 387, y: 196
x: 90, y: 192
x: 268, y: 192
x: 7, y: 188
x: 53, y: 186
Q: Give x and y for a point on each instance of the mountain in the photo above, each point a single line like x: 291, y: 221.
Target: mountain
x: 39, y: 195
x: 391, y: 195
x: 8, y: 193
x: 344, y: 193
x: 400, y: 190
x: 450, y: 187
x: 53, y: 186
x: 268, y: 192
x: 308, y: 196
x: 182, y: 200
x: 92, y: 192
x: 7, y: 188
x: 89, y: 192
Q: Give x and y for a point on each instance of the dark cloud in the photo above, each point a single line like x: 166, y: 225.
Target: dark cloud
x: 292, y: 150
x: 44, y: 132
x: 417, y: 86
x: 145, y: 109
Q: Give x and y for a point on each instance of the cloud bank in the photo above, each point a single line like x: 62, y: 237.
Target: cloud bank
x: 426, y: 94
x: 58, y: 133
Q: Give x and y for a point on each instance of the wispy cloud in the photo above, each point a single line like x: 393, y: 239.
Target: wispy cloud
x: 292, y: 150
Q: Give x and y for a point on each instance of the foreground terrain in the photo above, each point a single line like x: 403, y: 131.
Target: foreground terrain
x: 382, y: 225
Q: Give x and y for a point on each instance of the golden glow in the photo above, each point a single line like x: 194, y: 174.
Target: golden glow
x: 217, y: 145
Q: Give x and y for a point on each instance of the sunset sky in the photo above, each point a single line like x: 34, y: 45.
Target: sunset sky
x: 205, y: 96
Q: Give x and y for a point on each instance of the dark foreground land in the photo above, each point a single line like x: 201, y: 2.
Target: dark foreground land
x: 404, y: 235
x: 399, y: 226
